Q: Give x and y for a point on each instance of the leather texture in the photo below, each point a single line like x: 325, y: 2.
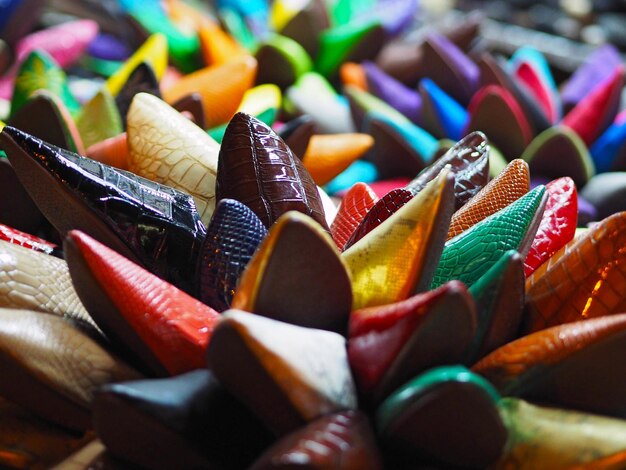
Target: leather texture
x: 40, y: 71
x: 469, y: 255
x: 52, y: 368
x: 233, y: 236
x: 584, y: 279
x: 554, y: 437
x: 151, y: 223
x: 565, y: 365
x: 37, y: 281
x: 173, y: 325
x: 469, y: 159
x: 166, y: 147
x: 354, y: 206
x: 341, y: 440
x: 17, y: 237
x: 558, y: 224
x: 397, y: 258
x: 384, y: 208
x: 258, y: 169
x: 511, y: 184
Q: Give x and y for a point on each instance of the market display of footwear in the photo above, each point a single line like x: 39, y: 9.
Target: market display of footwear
x: 316, y: 234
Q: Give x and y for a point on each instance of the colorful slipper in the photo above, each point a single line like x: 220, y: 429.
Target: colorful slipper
x: 189, y: 420
x: 468, y: 256
x: 141, y: 80
x: 191, y: 106
x: 44, y: 116
x: 153, y: 51
x: 393, y: 92
x: 297, y: 133
x: 494, y: 72
x: 606, y: 193
x: 511, y: 184
x: 281, y: 61
x: 17, y: 237
x: 112, y: 151
x: 447, y: 415
x: 609, y: 150
x: 221, y: 86
x: 167, y: 148
x: 351, y: 42
x: 288, y: 375
x: 408, y: 242
x: 557, y: 225
x: 530, y: 68
x: 164, y: 333
x: 355, y: 204
x: 390, y: 344
x: 442, y: 116
x: 581, y: 280
x: 40, y: 71
x: 233, y: 236
x: 401, y: 149
x: 494, y: 111
x: 314, y: 96
x: 564, y: 364
x: 327, y: 156
x: 597, y: 68
x: 149, y: 223
x: 499, y: 297
x: 65, y: 42
x: 572, y: 159
x: 303, y: 22
x: 257, y: 168
x: 217, y: 46
x: 316, y: 277
x: 469, y: 162
x: 53, y: 369
x: 597, y: 111
x: 559, y: 438
x: 99, y: 119
x: 39, y: 282
x: 450, y: 68
x: 384, y: 208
